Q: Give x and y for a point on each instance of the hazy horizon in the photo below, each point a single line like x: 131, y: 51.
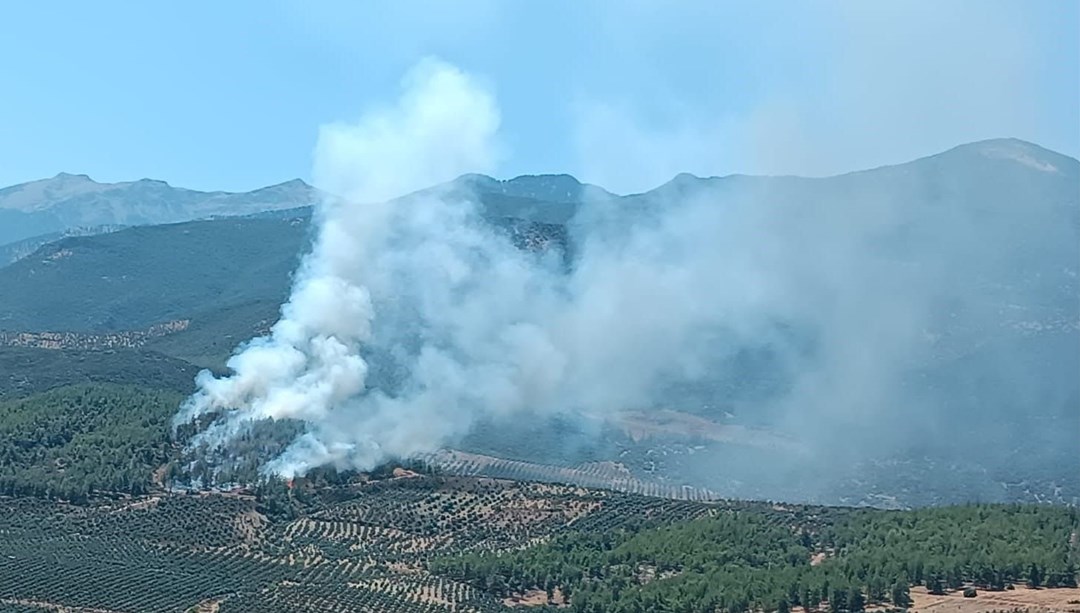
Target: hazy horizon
x: 626, y: 99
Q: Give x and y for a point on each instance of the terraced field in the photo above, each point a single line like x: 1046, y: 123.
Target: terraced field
x: 399, y: 541
x: 605, y: 475
x: 356, y: 548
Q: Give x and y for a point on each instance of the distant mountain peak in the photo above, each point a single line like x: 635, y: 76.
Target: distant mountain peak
x: 1018, y: 151
x: 290, y: 184
x: 1007, y: 141
x: 560, y: 177
x: 683, y: 181
x: 563, y: 188
x: 1014, y: 149
x: 159, y: 182
x: 683, y: 177
x: 72, y: 178
x: 294, y: 183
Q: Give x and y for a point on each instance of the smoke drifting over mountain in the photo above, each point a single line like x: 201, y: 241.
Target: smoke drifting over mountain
x: 412, y: 319
x: 460, y: 322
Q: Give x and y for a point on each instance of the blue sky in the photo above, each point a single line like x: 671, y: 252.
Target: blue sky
x: 230, y: 95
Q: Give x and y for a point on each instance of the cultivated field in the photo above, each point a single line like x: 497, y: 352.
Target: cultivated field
x: 412, y: 543
x: 606, y: 475
x: 360, y: 548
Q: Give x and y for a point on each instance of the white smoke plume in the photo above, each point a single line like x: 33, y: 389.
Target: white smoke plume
x: 310, y: 366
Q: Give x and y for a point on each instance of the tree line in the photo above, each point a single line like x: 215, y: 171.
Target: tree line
x: 740, y: 561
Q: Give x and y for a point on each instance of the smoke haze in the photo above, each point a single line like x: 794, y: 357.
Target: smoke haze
x: 412, y: 319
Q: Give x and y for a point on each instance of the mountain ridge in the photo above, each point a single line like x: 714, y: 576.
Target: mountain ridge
x: 552, y: 187
x: 986, y: 147
x: 64, y: 185
x: 966, y: 176
x: 68, y: 201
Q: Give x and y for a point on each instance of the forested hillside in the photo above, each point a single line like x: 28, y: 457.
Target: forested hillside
x: 749, y: 561
x: 138, y: 277
x: 73, y: 442
x: 25, y: 371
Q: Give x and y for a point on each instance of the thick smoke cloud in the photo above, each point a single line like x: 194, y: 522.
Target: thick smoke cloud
x: 310, y: 366
x: 414, y: 318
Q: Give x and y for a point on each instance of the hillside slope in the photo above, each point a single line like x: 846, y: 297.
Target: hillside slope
x: 26, y: 371
x: 144, y: 275
x: 978, y: 244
